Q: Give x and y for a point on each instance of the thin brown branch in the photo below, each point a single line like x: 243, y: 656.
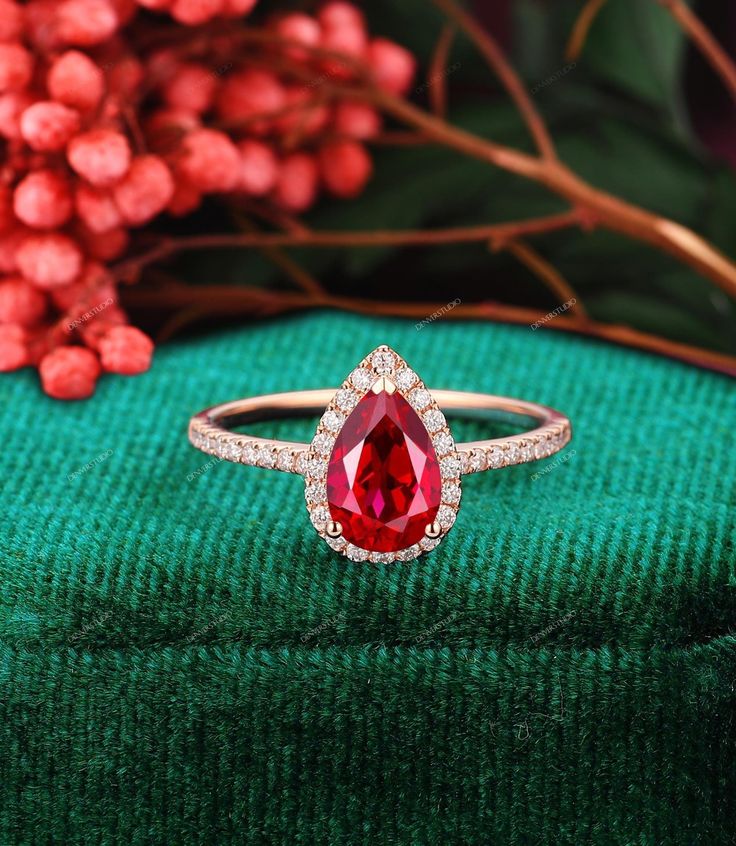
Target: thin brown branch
x: 497, y: 233
x: 505, y: 72
x: 437, y: 71
x: 548, y: 274
x: 581, y: 27
x: 298, y: 275
x: 704, y: 40
x: 593, y: 204
x: 227, y: 301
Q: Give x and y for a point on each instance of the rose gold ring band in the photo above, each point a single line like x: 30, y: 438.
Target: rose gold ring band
x: 210, y: 432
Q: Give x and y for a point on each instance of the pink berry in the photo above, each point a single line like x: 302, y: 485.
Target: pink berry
x: 209, y: 160
x: 93, y: 289
x: 16, y: 67
x: 306, y: 121
x: 237, y: 8
x: 300, y: 28
x: 125, y: 349
x: 346, y: 167
x: 101, y: 156
x: 258, y: 167
x: 338, y: 13
x: 195, y: 12
x: 103, y: 246
x: 155, y: 5
x: 43, y: 200
x: 166, y: 128
x: 49, y: 260
x: 40, y: 25
x: 20, y: 302
x: 48, y: 126
x: 94, y: 330
x: 356, y: 120
x: 69, y: 373
x: 249, y: 93
x: 298, y: 181
x: 13, y: 347
x: 343, y: 31
x: 96, y: 208
x: 85, y: 23
x: 10, y: 241
x: 192, y: 87
x: 75, y: 80
x: 393, y: 67
x: 125, y: 77
x: 186, y: 198
x: 145, y: 191
x: 11, y: 21
x: 12, y: 106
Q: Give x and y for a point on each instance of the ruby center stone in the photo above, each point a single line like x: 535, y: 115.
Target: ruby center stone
x: 383, y: 480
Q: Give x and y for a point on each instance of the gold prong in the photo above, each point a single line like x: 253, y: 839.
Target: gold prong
x: 433, y: 530
x: 333, y: 529
x: 383, y: 384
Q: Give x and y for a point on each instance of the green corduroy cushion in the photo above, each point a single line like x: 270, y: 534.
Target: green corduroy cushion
x: 184, y: 661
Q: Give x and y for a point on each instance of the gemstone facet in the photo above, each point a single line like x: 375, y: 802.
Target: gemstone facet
x: 383, y: 479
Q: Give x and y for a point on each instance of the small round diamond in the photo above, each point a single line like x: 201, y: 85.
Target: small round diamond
x: 434, y: 420
x: 285, y: 460
x: 381, y: 557
x: 319, y: 516
x: 316, y: 467
x: 232, y: 451
x: 302, y: 462
x: 495, y: 457
x: 512, y: 452
x: 419, y: 398
x: 405, y: 377
x: 446, y: 516
x: 332, y: 420
x: 323, y: 443
x: 429, y: 543
x: 476, y: 461
x: 346, y: 399
x: 314, y: 492
x: 526, y: 451
x: 383, y: 362
x: 451, y: 492
x: 337, y: 544
x: 250, y: 454
x: 267, y: 458
x: 355, y: 553
x: 361, y: 378
x: 443, y: 443
x: 450, y: 466
x: 410, y: 553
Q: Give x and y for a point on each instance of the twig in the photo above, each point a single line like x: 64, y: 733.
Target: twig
x: 719, y: 60
x: 548, y: 274
x: 581, y: 27
x: 498, y: 233
x: 231, y: 300
x: 508, y: 76
x: 599, y: 206
x: 437, y: 71
x: 298, y: 275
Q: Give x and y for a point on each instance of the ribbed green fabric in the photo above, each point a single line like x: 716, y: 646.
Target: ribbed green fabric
x: 184, y: 661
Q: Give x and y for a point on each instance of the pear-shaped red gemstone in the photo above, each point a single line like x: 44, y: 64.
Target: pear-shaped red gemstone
x: 383, y: 480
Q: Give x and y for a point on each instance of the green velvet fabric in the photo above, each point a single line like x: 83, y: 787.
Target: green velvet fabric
x: 183, y: 660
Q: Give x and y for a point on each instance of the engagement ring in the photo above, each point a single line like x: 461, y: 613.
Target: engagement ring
x: 382, y: 473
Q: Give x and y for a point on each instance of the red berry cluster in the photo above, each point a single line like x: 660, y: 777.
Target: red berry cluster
x: 102, y: 129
